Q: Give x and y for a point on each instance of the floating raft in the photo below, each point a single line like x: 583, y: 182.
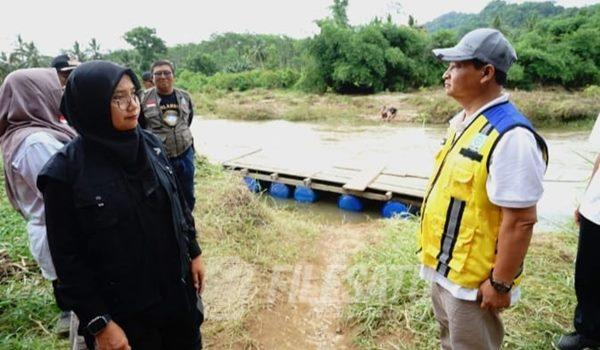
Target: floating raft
x: 358, y: 178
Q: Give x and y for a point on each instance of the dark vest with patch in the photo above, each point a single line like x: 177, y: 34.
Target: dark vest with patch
x: 177, y: 138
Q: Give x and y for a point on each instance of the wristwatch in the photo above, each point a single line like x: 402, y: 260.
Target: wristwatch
x: 500, y: 286
x: 97, y: 324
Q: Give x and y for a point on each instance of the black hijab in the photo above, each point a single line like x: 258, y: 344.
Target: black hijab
x: 86, y: 105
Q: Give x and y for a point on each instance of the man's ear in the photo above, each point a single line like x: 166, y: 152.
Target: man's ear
x: 488, y: 73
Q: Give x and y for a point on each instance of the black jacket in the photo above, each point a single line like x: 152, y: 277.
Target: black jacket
x: 108, y: 252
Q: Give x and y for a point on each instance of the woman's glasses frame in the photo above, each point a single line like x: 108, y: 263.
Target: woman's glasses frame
x: 123, y: 102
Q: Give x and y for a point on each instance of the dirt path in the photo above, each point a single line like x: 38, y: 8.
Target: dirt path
x: 305, y: 301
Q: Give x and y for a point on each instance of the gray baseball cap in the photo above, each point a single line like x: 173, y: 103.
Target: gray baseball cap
x: 485, y: 44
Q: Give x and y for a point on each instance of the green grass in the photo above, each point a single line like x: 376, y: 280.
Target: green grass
x: 233, y: 221
x: 546, y: 108
x: 27, y: 309
x: 241, y: 233
x: 391, y: 307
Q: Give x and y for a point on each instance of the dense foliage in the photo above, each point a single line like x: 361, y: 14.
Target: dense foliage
x: 556, y: 46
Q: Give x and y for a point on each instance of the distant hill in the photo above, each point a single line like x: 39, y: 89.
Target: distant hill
x: 496, y: 13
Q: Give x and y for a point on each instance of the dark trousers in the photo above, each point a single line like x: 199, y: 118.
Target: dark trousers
x: 56, y: 292
x: 150, y: 331
x: 587, y: 280
x: 184, y: 168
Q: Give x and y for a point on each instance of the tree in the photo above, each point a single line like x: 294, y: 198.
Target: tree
x: 201, y: 63
x: 411, y: 21
x: 258, y: 53
x: 497, y: 23
x: 148, y: 46
x: 127, y: 58
x: 77, y: 52
x: 26, y: 55
x: 338, y: 10
x: 93, y: 50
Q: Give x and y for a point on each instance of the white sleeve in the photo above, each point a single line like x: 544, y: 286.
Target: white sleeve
x: 516, y: 171
x: 33, y: 159
x: 27, y: 166
x: 594, y: 139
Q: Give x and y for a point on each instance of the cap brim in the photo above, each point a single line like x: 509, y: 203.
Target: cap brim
x: 452, y: 54
x: 68, y: 68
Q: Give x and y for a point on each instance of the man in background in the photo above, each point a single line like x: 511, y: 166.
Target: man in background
x: 64, y: 65
x: 168, y: 112
x: 147, y: 80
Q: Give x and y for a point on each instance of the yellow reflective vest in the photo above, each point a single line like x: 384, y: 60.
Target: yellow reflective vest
x: 459, y: 224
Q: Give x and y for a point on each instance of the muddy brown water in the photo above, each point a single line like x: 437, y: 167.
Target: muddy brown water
x: 405, y: 146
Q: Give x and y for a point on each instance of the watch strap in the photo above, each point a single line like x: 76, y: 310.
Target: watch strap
x: 98, y: 323
x: 500, y: 286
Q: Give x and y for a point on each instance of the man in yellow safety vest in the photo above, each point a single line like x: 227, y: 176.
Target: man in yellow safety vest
x: 479, y: 208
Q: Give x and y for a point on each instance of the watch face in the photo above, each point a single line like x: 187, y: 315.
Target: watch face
x: 97, y: 324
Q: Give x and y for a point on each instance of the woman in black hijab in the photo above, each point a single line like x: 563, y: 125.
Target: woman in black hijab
x: 121, y: 237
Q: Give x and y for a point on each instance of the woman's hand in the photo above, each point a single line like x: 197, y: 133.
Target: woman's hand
x: 112, y: 337
x: 197, y: 269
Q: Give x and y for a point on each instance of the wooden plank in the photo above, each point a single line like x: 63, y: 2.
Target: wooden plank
x: 322, y: 187
x: 363, y: 179
x: 372, y: 183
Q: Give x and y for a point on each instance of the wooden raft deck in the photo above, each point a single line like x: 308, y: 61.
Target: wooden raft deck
x: 367, y: 179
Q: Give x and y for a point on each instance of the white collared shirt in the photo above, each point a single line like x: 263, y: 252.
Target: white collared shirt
x: 590, y: 202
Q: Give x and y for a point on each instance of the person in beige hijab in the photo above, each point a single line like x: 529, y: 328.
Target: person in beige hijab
x: 30, y: 133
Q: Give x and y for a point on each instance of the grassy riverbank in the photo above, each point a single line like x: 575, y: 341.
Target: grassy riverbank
x: 546, y: 108
x: 391, y: 307
x: 244, y: 239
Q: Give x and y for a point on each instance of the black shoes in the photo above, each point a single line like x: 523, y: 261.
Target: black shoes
x: 575, y: 341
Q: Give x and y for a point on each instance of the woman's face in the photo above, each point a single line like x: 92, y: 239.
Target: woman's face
x: 124, y: 105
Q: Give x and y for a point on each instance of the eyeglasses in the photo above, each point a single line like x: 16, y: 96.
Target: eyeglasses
x: 123, y: 102
x: 164, y: 73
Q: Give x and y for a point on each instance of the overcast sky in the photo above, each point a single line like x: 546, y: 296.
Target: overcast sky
x: 55, y: 25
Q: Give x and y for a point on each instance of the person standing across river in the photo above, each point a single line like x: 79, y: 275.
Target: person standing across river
x: 168, y: 112
x: 479, y: 207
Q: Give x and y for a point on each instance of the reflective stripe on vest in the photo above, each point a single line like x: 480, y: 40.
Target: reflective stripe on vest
x: 459, y: 224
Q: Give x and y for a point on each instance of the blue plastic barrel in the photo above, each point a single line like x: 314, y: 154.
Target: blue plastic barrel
x: 252, y: 184
x: 350, y: 203
x: 305, y: 194
x: 280, y: 190
x: 395, y: 208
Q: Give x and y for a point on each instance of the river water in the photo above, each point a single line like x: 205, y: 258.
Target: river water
x: 407, y: 148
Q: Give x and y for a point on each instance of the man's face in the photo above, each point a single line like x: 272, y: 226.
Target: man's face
x: 163, y: 79
x: 462, y: 80
x: 147, y: 84
x: 63, y: 76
